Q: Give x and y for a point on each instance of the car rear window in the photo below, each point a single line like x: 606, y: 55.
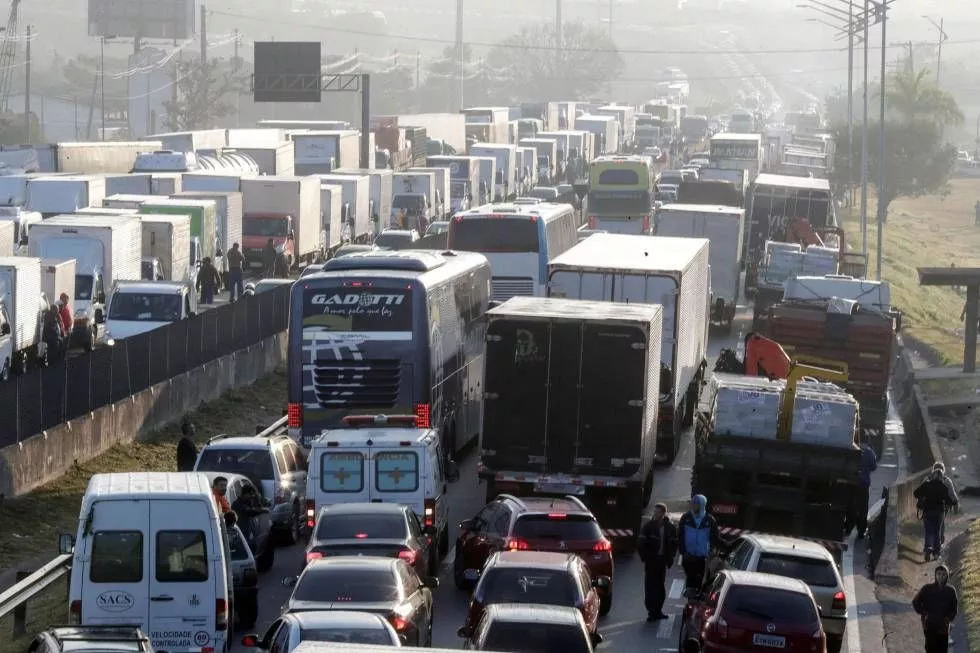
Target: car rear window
x: 347, y: 635
x: 770, y: 605
x: 347, y: 586
x: 543, y: 527
x: 253, y: 463
x: 544, y: 586
x: 534, y: 637
x: 364, y: 526
x: 810, y: 571
x: 117, y: 557
x: 182, y: 557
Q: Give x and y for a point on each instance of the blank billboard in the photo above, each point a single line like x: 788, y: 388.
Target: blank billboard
x: 287, y: 71
x: 149, y: 19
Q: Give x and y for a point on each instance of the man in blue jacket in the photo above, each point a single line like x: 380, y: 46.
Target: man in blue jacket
x: 697, y: 538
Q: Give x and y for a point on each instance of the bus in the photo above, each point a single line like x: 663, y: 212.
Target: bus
x: 621, y: 194
x: 519, y: 240
x: 393, y: 332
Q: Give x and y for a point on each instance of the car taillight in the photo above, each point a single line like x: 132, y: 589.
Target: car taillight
x: 294, y: 415
x: 220, y: 615
x: 429, y: 518
x: 840, y: 601
x: 592, y: 222
x: 310, y: 513
x: 557, y: 515
x: 207, y: 649
x: 602, y: 546
x: 400, y: 623
x: 313, y: 555
x: 409, y: 556
x: 422, y: 412
x: 646, y: 223
x: 515, y: 544
x: 75, y: 613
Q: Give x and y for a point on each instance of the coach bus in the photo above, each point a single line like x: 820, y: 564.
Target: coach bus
x: 392, y: 332
x: 621, y: 194
x: 518, y: 240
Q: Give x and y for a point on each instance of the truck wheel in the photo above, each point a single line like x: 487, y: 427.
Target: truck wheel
x: 89, y: 343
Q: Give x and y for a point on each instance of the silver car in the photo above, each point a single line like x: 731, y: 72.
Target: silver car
x: 347, y: 627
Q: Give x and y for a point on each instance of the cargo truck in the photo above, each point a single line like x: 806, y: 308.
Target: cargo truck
x: 20, y: 306
x: 448, y: 128
x: 355, y: 207
x: 487, y: 167
x: 228, y: 215
x: 64, y: 193
x: 191, y: 141
x: 287, y: 211
x: 737, y: 152
x: 165, y: 183
x: 505, y: 175
x: 211, y: 181
x: 672, y: 272
x: 626, y: 120
x: 331, y: 214
x: 57, y: 276
x: 135, y: 183
x: 22, y: 221
x: 167, y: 238
x: 272, y: 159
x: 605, y: 129
x: 442, y: 206
x: 204, y: 230
x: 7, y: 230
x: 722, y: 226
x: 486, y: 124
x: 546, y: 150
x: 101, y: 156
x: 464, y: 180
x: 570, y: 405
x: 527, y: 165
x: 413, y: 203
x: 735, y: 176
x: 322, y: 152
x: 380, y: 190
x: 105, y: 249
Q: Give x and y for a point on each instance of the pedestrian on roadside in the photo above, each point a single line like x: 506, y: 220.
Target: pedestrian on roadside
x: 936, y: 604
x: 52, y: 332
x: 236, y: 272
x: 208, y: 280
x: 948, y: 482
x: 933, y: 500
x: 219, y: 488
x: 269, y: 258
x: 697, y: 537
x: 657, y: 548
x: 186, y: 454
x: 976, y: 210
x: 869, y: 463
x: 65, y: 312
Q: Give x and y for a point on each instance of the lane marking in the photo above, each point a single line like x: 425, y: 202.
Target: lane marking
x: 666, y: 627
x: 676, y: 588
x: 853, y: 632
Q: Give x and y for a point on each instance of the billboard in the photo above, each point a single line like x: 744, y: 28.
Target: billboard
x: 287, y: 71
x: 148, y: 19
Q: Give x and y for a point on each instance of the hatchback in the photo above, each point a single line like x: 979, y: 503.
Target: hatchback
x: 341, y: 626
x: 532, y: 629
x: 91, y: 638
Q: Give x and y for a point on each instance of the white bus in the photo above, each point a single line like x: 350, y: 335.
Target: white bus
x: 519, y: 240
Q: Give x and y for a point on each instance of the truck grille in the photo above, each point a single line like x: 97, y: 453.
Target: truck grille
x: 357, y: 384
x: 503, y: 288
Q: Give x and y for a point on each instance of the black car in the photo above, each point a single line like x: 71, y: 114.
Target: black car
x: 81, y: 639
x: 375, y: 529
x: 532, y: 629
x: 385, y: 586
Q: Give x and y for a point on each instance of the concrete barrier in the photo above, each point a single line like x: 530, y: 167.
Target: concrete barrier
x: 49, y: 454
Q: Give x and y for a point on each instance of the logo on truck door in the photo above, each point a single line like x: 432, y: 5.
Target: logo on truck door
x: 115, y: 601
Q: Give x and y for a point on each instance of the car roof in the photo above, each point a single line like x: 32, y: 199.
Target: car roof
x: 542, y: 559
x: 360, y: 508
x: 408, y: 233
x: 328, y: 618
x: 789, y: 546
x: 525, y: 613
x: 351, y: 562
x: 136, y: 485
x: 157, y: 287
x: 102, y: 638
x: 380, y: 436
x: 770, y: 581
x: 241, y: 442
x: 545, y: 505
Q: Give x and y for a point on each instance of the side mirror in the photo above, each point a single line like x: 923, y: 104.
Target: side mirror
x: 452, y: 469
x: 251, y: 641
x: 596, y: 639
x: 4, y: 329
x: 466, y: 525
x: 66, y: 542
x: 602, y: 582
x: 464, y: 632
x: 289, y: 581
x: 431, y: 582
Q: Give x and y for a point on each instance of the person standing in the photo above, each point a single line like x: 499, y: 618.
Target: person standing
x: 269, y: 258
x: 697, y: 537
x: 219, y: 488
x: 936, y: 604
x: 948, y: 482
x: 657, y: 549
x: 52, y: 332
x: 208, y: 280
x: 248, y: 506
x: 65, y: 312
x: 869, y: 463
x: 933, y: 500
x: 236, y: 272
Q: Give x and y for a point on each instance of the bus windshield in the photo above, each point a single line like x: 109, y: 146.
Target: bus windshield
x: 494, y: 235
x: 353, y: 308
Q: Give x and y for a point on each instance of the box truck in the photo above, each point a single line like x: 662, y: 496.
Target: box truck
x: 448, y: 128
x: 101, y: 156
x: 546, y: 150
x: 527, y: 166
x: 20, y: 306
x: 505, y: 176
x: 287, y: 211
x: 7, y: 230
x: 487, y: 167
x: 136, y: 183
x: 322, y: 152
x: 212, y: 181
x: 442, y: 207
x: 228, y: 215
x: 273, y: 159
x: 606, y: 130
x: 165, y: 183
x: 64, y: 193
x: 464, y: 180
x: 355, y: 206
x: 380, y: 193
x: 413, y: 204
x: 167, y: 238
x: 57, y: 276
x: 204, y: 230
x: 331, y: 214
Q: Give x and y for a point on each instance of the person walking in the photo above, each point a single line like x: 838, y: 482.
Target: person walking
x: 657, y: 548
x: 219, y: 488
x: 208, y: 280
x: 52, y: 332
x: 933, y: 500
x: 869, y: 463
x: 948, y: 482
x: 936, y: 604
x: 269, y: 258
x: 64, y: 311
x: 236, y: 272
x: 697, y: 537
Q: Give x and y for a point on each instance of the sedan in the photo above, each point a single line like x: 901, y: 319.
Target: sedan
x: 383, y: 586
x: 532, y: 629
x: 396, y: 238
x: 344, y: 626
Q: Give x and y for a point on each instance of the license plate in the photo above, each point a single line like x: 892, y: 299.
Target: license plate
x: 559, y: 488
x: 724, y: 508
x: 770, y: 641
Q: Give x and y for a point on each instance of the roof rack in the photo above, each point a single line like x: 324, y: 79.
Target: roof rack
x: 511, y: 497
x: 100, y: 633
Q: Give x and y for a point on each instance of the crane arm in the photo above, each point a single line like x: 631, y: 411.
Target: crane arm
x: 837, y: 372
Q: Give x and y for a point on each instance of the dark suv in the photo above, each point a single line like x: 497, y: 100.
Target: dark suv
x: 509, y: 523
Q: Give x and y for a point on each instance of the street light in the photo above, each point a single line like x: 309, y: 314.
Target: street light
x: 107, y: 37
x: 942, y: 38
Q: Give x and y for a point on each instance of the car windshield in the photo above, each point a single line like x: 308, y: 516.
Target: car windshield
x: 145, y: 307
x: 348, y: 635
x: 770, y: 605
x: 83, y: 286
x: 393, y: 240
x: 567, y: 529
x: 544, y: 586
x: 364, y: 526
x: 536, y: 638
x: 264, y: 226
x: 253, y: 463
x: 332, y: 585
x: 543, y: 193
x: 811, y: 571
x: 437, y: 228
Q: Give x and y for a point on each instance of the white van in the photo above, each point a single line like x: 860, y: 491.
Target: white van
x: 384, y: 460
x: 151, y: 551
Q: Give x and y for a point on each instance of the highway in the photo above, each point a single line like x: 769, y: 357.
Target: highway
x: 625, y: 628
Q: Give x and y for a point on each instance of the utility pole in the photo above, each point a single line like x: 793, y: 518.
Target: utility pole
x: 943, y: 37
x: 27, y: 89
x: 204, y: 52
x: 459, y: 51
x: 850, y: 103
x: 881, y: 135
x: 864, y: 143
x: 558, y: 27
x: 102, y: 84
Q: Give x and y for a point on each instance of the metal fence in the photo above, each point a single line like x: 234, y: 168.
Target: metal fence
x: 48, y: 396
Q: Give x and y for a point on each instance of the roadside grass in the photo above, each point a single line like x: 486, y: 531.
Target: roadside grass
x: 970, y: 585
x: 928, y: 231
x: 49, y: 608
x: 32, y: 522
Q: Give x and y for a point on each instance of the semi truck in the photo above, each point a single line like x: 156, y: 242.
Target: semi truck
x: 321, y: 152
x: 570, y: 405
x: 356, y: 206
x: 722, y: 226
x: 505, y: 176
x: 380, y: 190
x: 105, y: 248
x: 20, y: 306
x: 413, y: 202
x: 167, y: 238
x: 286, y: 210
x: 464, y: 180
x: 442, y: 206
x: 672, y: 272
x: 64, y: 193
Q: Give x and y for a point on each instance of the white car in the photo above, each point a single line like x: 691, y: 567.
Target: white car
x: 348, y: 627
x: 139, y: 306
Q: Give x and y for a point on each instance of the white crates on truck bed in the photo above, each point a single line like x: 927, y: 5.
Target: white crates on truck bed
x: 823, y: 414
x: 746, y: 406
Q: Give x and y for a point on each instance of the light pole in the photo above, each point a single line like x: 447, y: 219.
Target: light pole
x: 942, y: 39
x: 883, y: 8
x: 102, y: 77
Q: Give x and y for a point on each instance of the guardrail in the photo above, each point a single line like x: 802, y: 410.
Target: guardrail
x: 14, y: 600
x: 278, y: 427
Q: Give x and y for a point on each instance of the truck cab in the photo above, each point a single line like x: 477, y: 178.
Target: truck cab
x: 139, y: 306
x: 410, y: 211
x: 258, y: 229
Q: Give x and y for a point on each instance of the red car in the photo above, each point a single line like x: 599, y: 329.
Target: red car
x: 751, y: 611
x: 510, y: 523
x: 535, y: 578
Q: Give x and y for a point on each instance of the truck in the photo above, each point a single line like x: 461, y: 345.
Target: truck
x: 487, y: 166
x: 672, y: 272
x: 57, y: 276
x: 22, y: 222
x: 272, y: 158
x: 414, y: 200
x: 165, y: 183
x: 464, y: 180
x: 355, y: 207
x: 7, y: 230
x: 20, y: 307
x: 167, y: 238
x: 720, y: 193
x: 449, y: 128
x: 442, y: 206
x: 505, y: 178
x: 525, y: 128
x: 567, y: 114
x: 486, y: 124
x: 211, y: 181
x: 204, y: 229
x: 321, y: 152
x: 547, y: 158
x: 331, y: 214
x: 527, y: 165
x: 191, y: 141
x: 287, y: 211
x: 548, y: 113
x: 736, y: 176
x: 380, y: 190
x: 738, y: 152
x: 722, y: 226
x: 64, y: 193
x: 105, y: 248
x: 228, y: 215
x: 606, y: 131
x: 136, y: 183
x: 626, y: 120
x: 101, y: 156
x: 570, y: 405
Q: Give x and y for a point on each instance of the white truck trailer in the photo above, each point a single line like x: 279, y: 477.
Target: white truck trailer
x: 287, y: 210
x: 605, y: 129
x: 380, y: 193
x: 57, y: 276
x: 331, y: 214
x: 322, y: 152
x: 167, y: 238
x: 505, y: 176
x: 7, y: 230
x: 64, y: 193
x: 413, y: 203
x: 443, y: 210
x: 355, y: 210
x: 20, y: 306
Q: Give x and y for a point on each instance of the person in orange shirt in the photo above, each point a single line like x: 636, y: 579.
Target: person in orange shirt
x: 219, y: 487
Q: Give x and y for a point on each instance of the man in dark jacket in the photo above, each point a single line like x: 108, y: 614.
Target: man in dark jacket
x: 248, y: 506
x: 208, y: 280
x: 697, y: 537
x: 236, y: 272
x: 933, y: 500
x: 269, y: 258
x: 657, y: 548
x: 936, y: 604
x: 869, y: 463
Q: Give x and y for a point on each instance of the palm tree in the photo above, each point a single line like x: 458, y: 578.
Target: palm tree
x: 914, y: 96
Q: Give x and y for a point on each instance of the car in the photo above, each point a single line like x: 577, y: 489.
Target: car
x: 312, y: 268
x: 532, y: 629
x: 276, y: 463
x: 396, y: 239
x: 750, y: 611
x: 666, y: 197
x: 376, y: 529
x: 804, y: 560
x: 527, y: 200
x: 544, y: 193
x: 653, y: 152
x: 256, y: 529
x: 689, y: 174
x: 437, y: 228
x: 244, y: 579
x: 699, y: 162
x: 351, y: 248
x: 342, y: 626
x: 385, y: 586
x: 538, y: 577
x: 264, y: 285
x: 97, y: 639
x: 562, y: 524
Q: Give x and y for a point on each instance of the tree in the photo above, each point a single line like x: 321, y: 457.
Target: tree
x: 913, y: 95
x: 203, y: 95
